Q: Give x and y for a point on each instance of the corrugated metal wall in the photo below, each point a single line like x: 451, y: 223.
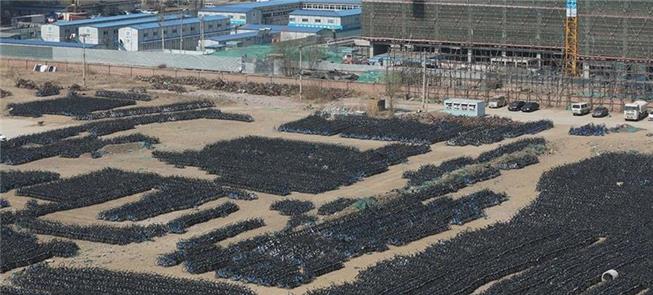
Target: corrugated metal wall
x: 610, y: 28
x: 115, y: 57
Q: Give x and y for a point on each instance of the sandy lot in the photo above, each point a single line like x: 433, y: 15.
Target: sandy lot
x: 270, y: 112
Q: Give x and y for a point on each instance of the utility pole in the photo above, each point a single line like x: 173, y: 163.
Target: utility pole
x: 161, y: 19
x: 202, y: 33
x: 181, y: 32
x: 300, y: 74
x: 83, y: 36
x: 424, y: 100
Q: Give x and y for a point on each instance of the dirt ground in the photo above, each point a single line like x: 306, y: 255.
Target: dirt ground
x: 270, y: 112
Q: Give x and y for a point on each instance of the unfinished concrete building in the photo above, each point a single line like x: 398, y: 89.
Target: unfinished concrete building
x: 588, y: 39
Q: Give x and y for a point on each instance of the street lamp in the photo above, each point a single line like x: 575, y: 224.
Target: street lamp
x: 83, y: 36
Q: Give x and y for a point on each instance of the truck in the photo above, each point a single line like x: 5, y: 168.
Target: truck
x: 636, y: 111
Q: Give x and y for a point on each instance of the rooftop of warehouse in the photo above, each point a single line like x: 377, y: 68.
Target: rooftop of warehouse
x: 280, y: 28
x: 177, y: 22
x: 248, y: 6
x: 225, y: 38
x: 100, y: 19
x: 329, y: 13
x: 334, y: 1
x: 255, y: 51
x: 38, y: 42
x: 125, y: 23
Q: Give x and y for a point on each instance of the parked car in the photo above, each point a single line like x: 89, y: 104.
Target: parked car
x: 516, y: 106
x: 497, y: 102
x: 600, y: 112
x: 530, y: 107
x: 580, y: 108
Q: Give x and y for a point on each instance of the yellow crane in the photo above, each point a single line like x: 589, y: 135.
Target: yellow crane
x: 571, y: 39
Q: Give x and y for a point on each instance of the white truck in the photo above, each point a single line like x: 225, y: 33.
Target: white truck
x: 636, y: 111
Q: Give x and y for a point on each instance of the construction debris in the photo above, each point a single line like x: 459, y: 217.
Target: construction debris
x: 48, y: 89
x: 269, y: 89
x: 24, y: 83
x: 4, y: 93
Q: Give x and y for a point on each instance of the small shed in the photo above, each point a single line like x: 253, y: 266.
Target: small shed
x: 464, y: 107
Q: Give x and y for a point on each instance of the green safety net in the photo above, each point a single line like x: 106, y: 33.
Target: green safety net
x: 253, y: 51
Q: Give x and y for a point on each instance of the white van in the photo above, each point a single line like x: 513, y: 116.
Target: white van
x: 580, y: 108
x: 497, y: 102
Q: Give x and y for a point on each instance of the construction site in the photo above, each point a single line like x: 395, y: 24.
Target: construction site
x: 505, y: 148
x: 554, y: 52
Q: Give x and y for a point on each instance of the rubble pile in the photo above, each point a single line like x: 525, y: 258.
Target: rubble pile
x: 269, y: 89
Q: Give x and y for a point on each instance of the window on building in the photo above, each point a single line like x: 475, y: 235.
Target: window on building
x: 174, y: 31
x: 146, y: 35
x: 105, y: 33
x: 155, y: 33
x: 304, y: 20
x: 292, y: 19
x: 192, y: 28
x: 210, y: 26
x: 317, y: 20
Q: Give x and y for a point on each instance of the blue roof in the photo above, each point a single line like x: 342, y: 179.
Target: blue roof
x: 329, y: 13
x: 101, y: 19
x: 38, y: 42
x: 280, y: 28
x: 359, y: 2
x: 126, y: 23
x: 232, y: 37
x: 248, y: 6
x: 176, y: 22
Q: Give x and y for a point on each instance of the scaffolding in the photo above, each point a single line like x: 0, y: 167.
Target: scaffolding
x: 523, y: 49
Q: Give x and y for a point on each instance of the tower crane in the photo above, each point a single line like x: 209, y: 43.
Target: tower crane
x: 571, y: 39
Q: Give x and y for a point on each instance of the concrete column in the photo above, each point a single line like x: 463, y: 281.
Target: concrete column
x: 586, y: 70
x: 539, y: 60
x: 277, y: 67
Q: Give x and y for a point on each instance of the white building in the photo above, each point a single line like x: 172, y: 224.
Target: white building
x: 339, y: 20
x: 177, y: 34
x: 106, y: 33
x: 268, y: 12
x: 68, y: 30
x: 331, y: 4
